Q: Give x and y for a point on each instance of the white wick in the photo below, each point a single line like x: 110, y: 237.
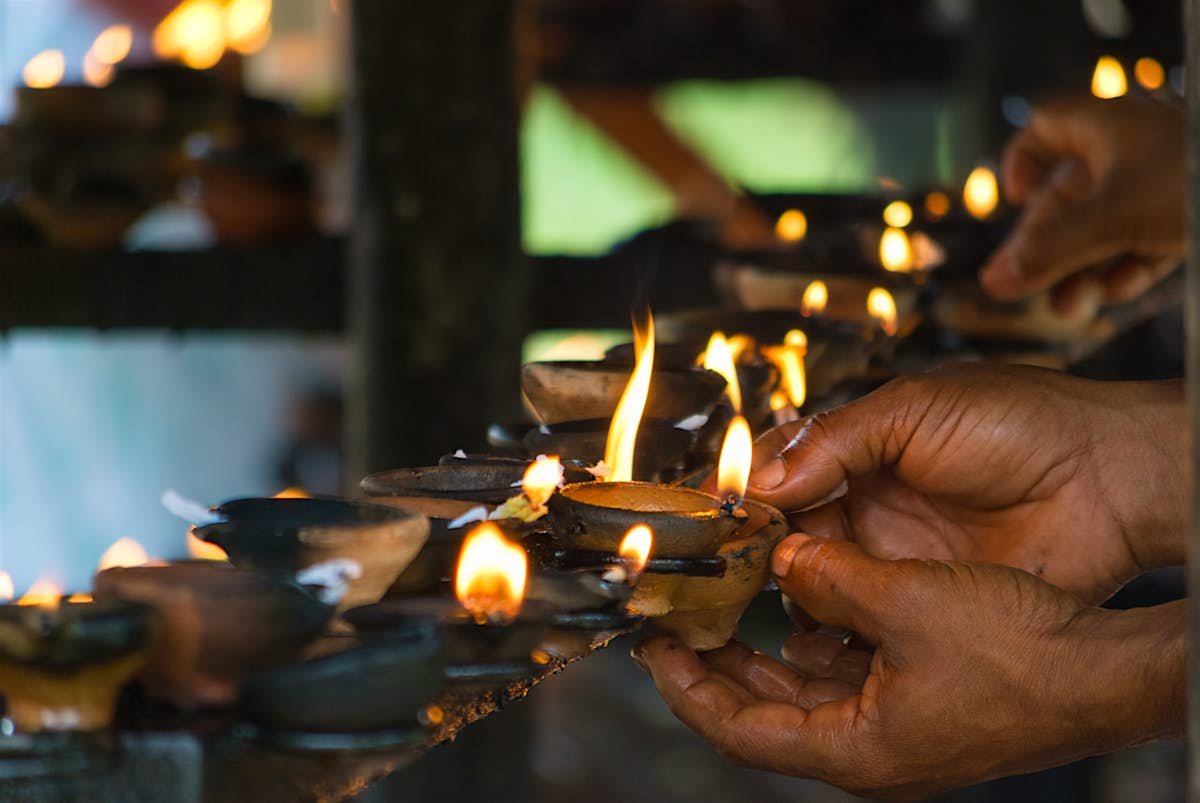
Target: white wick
x: 693, y: 422
x: 188, y: 509
x: 473, y: 515
x: 331, y: 578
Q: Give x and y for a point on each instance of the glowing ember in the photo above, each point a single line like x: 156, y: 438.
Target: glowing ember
x: 882, y: 307
x: 95, y: 72
x: 45, y: 70
x: 622, y: 433
x: 199, y: 549
x: 792, y: 226
x: 719, y: 357
x: 981, y: 193
x: 6, y: 587
x: 293, y: 493
x: 816, y: 297
x: 1149, y: 73
x: 542, y: 479
x: 490, y: 581
x: 897, y: 214
x: 937, y: 205
x: 123, y: 552
x: 113, y: 44
x: 895, y: 251
x: 1108, y: 80
x: 44, y: 593
x: 635, y: 547
x: 733, y: 469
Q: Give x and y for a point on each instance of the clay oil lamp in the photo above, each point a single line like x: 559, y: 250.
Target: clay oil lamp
x: 63, y: 663
x: 284, y: 536
x: 688, y: 525
x: 220, y: 624
x: 661, y: 445
x: 370, y: 696
x: 489, y: 482
x: 488, y: 630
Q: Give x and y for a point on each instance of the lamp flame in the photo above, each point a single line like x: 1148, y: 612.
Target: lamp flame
x: 248, y: 25
x: 113, y: 44
x: 733, y: 469
x: 123, y: 552
x: 490, y: 581
x: 1108, y: 79
x: 792, y: 226
x: 541, y: 479
x: 779, y: 401
x: 635, y: 547
x: 95, y: 72
x: 199, y: 549
x: 6, y: 587
x: 937, y: 205
x: 293, y: 493
x: 45, y: 70
x: 981, y: 193
x: 719, y: 357
x: 895, y: 251
x: 816, y: 297
x: 622, y: 433
x: 897, y: 214
x: 740, y: 345
x: 789, y: 359
x: 194, y: 33
x: 44, y: 593
x: 1149, y: 73
x: 882, y: 307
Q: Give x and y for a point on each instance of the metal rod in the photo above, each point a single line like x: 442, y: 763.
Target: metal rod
x: 1192, y: 40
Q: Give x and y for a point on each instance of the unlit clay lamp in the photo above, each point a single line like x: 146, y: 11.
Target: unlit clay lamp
x: 286, y: 536
x: 221, y: 624
x: 63, y: 664
x: 660, y: 444
x: 490, y: 483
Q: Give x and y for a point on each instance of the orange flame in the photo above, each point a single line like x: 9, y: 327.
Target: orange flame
x: 199, y: 549
x: 897, y: 214
x: 541, y: 480
x: 789, y: 359
x: 622, y: 433
x: 81, y: 596
x: 741, y: 345
x: 719, y: 357
x: 635, y: 547
x: 490, y: 581
x: 95, y: 72
x: 45, y: 70
x: 937, y: 205
x: 895, y: 251
x: 1149, y: 73
x: 194, y: 33
x: 816, y: 297
x: 792, y: 226
x: 6, y: 587
x: 123, y: 552
x: 112, y: 44
x: 981, y: 193
x: 882, y: 307
x: 248, y: 25
x: 293, y: 493
x: 779, y: 400
x: 737, y: 452
x: 44, y: 593
x: 1108, y: 80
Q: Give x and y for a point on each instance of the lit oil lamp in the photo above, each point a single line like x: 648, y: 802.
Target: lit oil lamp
x: 63, y: 664
x: 283, y: 535
x: 981, y: 193
x: 882, y: 308
x: 488, y: 630
x: 489, y: 482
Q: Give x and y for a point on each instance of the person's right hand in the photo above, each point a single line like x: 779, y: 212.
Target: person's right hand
x: 1102, y: 183
x: 1081, y: 483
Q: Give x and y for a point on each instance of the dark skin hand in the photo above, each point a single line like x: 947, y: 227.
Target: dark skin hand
x: 977, y: 672
x: 1102, y: 186
x: 1081, y: 483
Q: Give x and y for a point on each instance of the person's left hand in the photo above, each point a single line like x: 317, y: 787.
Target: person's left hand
x: 978, y: 671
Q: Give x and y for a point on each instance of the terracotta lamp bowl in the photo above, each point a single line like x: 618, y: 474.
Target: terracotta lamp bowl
x: 577, y: 391
x: 220, y: 625
x: 596, y: 516
x: 660, y: 444
x: 488, y: 483
x: 284, y: 536
x: 63, y: 668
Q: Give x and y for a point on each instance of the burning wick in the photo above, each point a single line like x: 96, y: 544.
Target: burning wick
x: 719, y: 357
x: 542, y: 478
x: 491, y: 575
x: 634, y: 551
x: 733, y: 469
x: 816, y: 297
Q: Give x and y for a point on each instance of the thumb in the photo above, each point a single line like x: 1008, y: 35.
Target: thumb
x: 836, y: 582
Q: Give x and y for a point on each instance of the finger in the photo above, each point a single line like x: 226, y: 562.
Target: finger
x: 756, y: 732
x: 768, y: 679
x: 1133, y: 277
x: 838, y: 583
x: 1077, y: 294
x: 823, y: 521
x: 801, y: 618
x: 1024, y: 166
x: 816, y: 655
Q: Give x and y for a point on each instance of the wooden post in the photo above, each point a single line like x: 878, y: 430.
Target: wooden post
x: 437, y: 281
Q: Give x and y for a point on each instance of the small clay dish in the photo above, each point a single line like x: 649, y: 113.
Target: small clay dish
x: 285, y: 536
x: 596, y: 516
x: 490, y: 483
x: 660, y: 444
x: 577, y: 391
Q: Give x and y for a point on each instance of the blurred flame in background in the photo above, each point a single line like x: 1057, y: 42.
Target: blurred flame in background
x: 937, y: 205
x: 1108, y: 80
x: 112, y: 44
x: 293, y: 493
x: 44, y: 593
x: 981, y: 193
x: 95, y: 72
x: 199, y: 549
x: 816, y: 298
x: 197, y: 32
x: 895, y: 251
x: 719, y: 357
x: 792, y: 226
x: 123, y: 552
x: 6, y: 587
x: 897, y: 214
x: 1149, y: 73
x: 882, y: 307
x: 44, y: 70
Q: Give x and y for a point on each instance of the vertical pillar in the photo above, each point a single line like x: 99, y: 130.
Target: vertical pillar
x: 437, y: 282
x: 1192, y: 42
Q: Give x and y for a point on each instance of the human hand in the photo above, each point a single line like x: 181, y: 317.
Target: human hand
x: 1081, y: 483
x: 978, y: 671
x: 1102, y: 183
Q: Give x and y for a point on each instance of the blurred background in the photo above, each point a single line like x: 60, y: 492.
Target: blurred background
x: 176, y: 198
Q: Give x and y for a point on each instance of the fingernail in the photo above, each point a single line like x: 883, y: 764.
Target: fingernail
x: 785, y: 553
x: 771, y: 475
x: 636, y: 655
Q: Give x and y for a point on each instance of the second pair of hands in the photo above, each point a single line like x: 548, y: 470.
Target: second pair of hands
x: 972, y: 669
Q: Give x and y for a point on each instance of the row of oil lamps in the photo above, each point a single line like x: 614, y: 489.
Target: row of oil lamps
x: 336, y: 617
